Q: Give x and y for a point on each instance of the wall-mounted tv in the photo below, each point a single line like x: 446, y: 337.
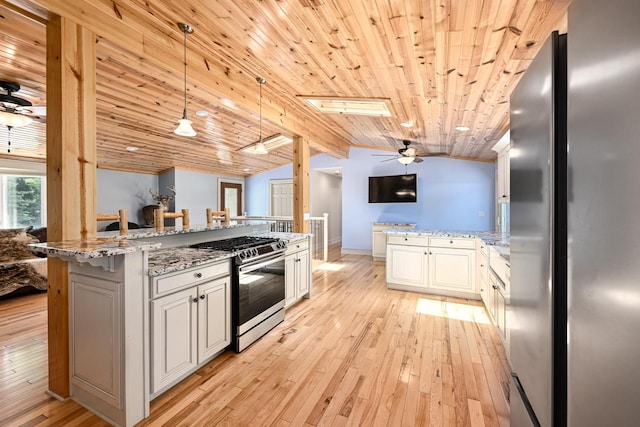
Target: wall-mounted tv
x: 393, y: 189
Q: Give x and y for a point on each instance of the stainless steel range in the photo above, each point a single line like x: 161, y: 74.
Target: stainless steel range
x: 258, y: 286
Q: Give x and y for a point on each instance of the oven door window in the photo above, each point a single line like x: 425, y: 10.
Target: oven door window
x: 260, y: 287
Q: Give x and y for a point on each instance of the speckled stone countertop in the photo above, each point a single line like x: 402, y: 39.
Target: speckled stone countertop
x: 413, y: 224
x: 146, y: 233
x: 489, y: 237
x: 88, y: 249
x: 163, y: 261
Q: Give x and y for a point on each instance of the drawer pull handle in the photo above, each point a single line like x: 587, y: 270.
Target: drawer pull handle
x: 195, y: 299
x: 198, y: 275
x: 203, y: 296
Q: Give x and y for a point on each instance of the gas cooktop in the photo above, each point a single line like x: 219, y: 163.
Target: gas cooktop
x: 236, y: 243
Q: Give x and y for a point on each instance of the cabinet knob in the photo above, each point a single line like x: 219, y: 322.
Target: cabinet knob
x: 198, y: 275
x: 481, y: 265
x: 451, y: 241
x: 494, y: 286
x: 430, y: 253
x: 195, y: 299
x: 203, y: 296
x: 481, y: 289
x: 405, y: 239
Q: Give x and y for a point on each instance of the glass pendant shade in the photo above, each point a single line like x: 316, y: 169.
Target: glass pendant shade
x: 184, y: 126
x: 260, y: 148
x: 405, y: 160
x: 13, y: 119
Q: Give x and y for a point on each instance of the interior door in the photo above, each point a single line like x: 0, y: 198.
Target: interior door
x: 281, y: 197
x: 231, y: 197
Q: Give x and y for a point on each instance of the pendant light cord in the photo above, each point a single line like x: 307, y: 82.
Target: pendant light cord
x: 260, y: 112
x: 184, y: 63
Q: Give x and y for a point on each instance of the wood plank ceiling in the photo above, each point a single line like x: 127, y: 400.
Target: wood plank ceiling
x: 441, y: 64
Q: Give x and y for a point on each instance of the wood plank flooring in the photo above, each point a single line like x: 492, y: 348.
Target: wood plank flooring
x: 355, y: 354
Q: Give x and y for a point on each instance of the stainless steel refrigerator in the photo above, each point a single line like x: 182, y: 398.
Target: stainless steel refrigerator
x: 575, y: 229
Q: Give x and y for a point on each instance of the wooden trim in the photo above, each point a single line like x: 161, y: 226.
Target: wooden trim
x: 301, y: 192
x: 217, y: 215
x: 160, y: 215
x: 32, y: 12
x: 71, y: 171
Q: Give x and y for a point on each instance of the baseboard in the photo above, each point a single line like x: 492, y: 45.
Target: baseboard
x: 355, y: 251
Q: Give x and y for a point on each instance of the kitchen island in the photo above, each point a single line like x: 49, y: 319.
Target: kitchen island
x: 115, y: 285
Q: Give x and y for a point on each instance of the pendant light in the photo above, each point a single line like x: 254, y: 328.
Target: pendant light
x: 260, y: 148
x: 184, y: 127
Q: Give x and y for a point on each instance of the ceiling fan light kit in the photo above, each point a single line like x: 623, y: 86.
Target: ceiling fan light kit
x: 14, y: 120
x: 184, y: 124
x: 406, y: 160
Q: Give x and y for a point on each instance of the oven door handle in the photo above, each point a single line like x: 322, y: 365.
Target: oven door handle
x: 251, y: 267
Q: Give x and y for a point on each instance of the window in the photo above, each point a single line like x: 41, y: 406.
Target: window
x: 22, y: 201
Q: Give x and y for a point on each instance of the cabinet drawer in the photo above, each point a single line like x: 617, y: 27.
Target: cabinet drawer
x: 168, y: 283
x: 452, y: 242
x: 300, y: 245
x: 395, y: 239
x: 484, y: 249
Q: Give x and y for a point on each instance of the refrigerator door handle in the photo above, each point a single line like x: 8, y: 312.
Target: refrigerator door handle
x: 525, y: 400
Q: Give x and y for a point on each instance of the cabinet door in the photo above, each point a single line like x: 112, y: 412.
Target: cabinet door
x: 407, y: 265
x: 174, y: 337
x: 290, y: 279
x: 452, y: 269
x: 214, y: 317
x: 492, y: 289
x: 501, y: 314
x: 302, y: 273
x: 379, y: 247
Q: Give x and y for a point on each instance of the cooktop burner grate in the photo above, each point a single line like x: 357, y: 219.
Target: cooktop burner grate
x: 235, y: 243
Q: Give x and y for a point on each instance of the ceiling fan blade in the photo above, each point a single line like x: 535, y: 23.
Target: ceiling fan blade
x: 417, y: 160
x: 384, y: 155
x: 388, y: 160
x: 439, y: 154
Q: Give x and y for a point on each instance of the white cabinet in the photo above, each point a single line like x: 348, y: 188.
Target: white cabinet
x: 452, y: 269
x: 189, y: 327
x: 503, y: 184
x: 482, y: 283
x: 439, y: 265
x: 214, y: 318
x: 379, y: 238
x: 297, y: 272
x: 174, y: 348
x: 407, y: 265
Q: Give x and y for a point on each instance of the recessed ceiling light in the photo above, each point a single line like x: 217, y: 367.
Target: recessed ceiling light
x: 202, y: 113
x: 132, y: 148
x: 462, y: 128
x: 246, y: 170
x: 408, y: 124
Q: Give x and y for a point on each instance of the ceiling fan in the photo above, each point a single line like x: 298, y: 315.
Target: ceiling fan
x: 16, y: 111
x: 408, y: 154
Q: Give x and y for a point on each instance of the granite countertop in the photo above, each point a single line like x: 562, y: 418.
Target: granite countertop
x: 145, y: 233
x: 395, y: 223
x: 489, y: 237
x: 163, y: 261
x: 498, y: 240
x: 285, y: 237
x: 88, y: 249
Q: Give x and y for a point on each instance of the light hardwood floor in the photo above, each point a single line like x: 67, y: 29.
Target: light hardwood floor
x: 355, y: 354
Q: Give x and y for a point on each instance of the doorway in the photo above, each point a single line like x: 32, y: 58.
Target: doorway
x: 230, y: 196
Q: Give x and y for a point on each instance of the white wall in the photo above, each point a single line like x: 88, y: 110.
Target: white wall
x: 326, y: 197
x: 124, y: 190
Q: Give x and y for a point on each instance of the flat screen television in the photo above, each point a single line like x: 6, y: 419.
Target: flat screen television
x: 393, y: 189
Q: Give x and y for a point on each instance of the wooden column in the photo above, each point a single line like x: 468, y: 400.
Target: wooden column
x: 301, y: 203
x: 71, y: 171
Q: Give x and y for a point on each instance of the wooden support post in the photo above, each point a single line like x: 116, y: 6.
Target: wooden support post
x: 158, y: 219
x: 71, y: 171
x: 186, y: 222
x: 301, y: 161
